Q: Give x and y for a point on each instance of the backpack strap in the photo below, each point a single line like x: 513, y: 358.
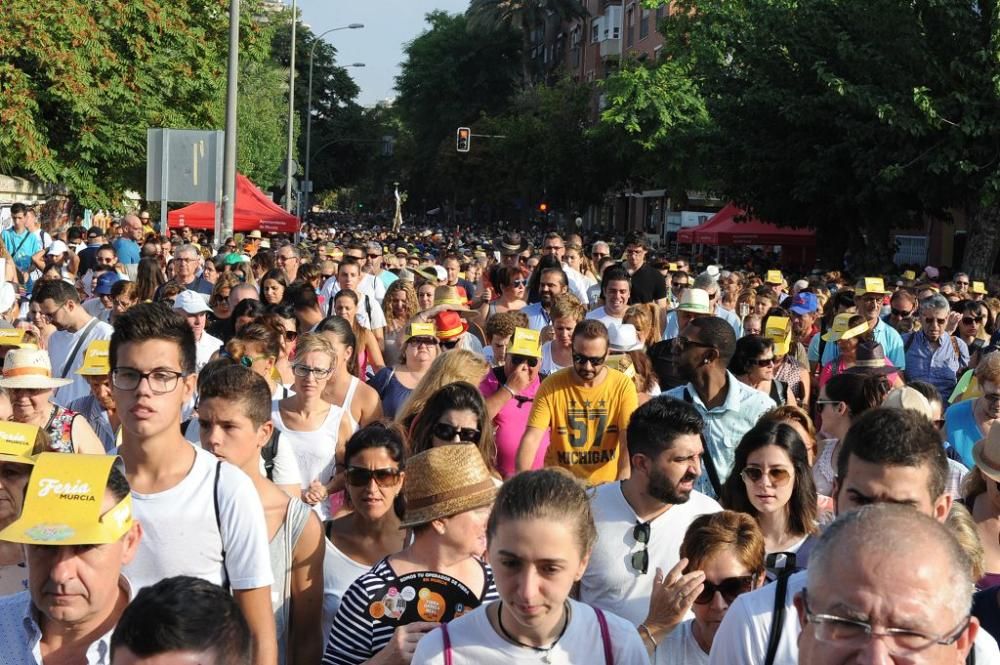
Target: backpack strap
x: 780, y: 593
x: 218, y: 522
x: 269, y: 452
x: 447, y: 644
x: 706, y: 458
x: 602, y: 621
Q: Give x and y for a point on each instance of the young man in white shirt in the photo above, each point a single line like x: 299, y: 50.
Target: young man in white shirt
x: 641, y: 521
x: 201, y: 517
x: 616, y: 285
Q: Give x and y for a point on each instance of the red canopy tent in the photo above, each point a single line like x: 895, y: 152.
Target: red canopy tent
x: 723, y: 229
x: 254, y: 212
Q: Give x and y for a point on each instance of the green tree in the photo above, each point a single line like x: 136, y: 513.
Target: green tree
x: 523, y: 16
x: 82, y: 81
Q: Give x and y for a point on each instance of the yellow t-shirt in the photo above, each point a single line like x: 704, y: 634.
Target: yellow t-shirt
x: 585, y: 423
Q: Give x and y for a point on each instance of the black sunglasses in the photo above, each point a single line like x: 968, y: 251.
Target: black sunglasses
x: 765, y: 362
x: 596, y: 361
x: 359, y: 476
x: 447, y: 432
x: 682, y: 343
x: 902, y: 314
x: 518, y: 359
x: 640, y: 559
x: 450, y: 344
x: 730, y: 588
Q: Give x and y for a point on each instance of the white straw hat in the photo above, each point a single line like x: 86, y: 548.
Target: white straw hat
x: 29, y: 368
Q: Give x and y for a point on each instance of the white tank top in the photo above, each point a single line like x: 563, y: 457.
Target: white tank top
x: 315, y: 452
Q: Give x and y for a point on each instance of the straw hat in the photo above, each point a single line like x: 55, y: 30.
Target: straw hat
x: 986, y: 454
x: 445, y: 481
x: 695, y: 301
x: 29, y: 368
x: 905, y: 397
x: 448, y: 296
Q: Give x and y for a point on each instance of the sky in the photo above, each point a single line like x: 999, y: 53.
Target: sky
x: 389, y: 24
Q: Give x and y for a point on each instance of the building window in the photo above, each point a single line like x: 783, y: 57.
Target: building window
x: 630, y: 26
x: 595, y: 31
x: 644, y: 24
x: 910, y: 249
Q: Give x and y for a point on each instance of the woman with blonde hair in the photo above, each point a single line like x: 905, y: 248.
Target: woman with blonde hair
x: 455, y: 365
x: 646, y: 320
x: 219, y: 300
x: 399, y: 306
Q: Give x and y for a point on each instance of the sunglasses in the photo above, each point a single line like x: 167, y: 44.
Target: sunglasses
x: 640, y: 559
x: 599, y: 255
x: 519, y: 282
x: 776, y: 475
x: 682, y: 344
x: 359, y: 476
x: 901, y: 314
x: 581, y: 359
x: 730, y: 588
x: 970, y: 320
x: 447, y: 432
x: 450, y: 345
x: 930, y: 320
x: 765, y: 362
x: 423, y: 341
x: 374, y: 256
x: 531, y: 361
x: 962, y: 283
x: 679, y: 285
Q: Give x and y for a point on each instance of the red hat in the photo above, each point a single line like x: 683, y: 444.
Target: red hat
x: 449, y: 325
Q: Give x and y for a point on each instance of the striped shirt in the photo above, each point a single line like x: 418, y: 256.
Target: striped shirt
x: 356, y: 635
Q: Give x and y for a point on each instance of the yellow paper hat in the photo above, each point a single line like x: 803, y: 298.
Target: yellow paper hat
x: 978, y: 287
x: 526, y: 342
x: 63, y: 503
x: 841, y: 328
x: 909, y: 275
x: 12, y: 337
x: 774, y: 277
x: 672, y: 267
x: 779, y: 331
x: 97, y: 360
x: 871, y: 285
x: 17, y: 442
x: 420, y: 330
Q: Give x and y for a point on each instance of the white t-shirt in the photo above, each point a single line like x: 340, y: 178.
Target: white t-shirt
x: 206, y: 346
x: 742, y: 636
x: 610, y: 582
x: 680, y: 648
x: 602, y: 315
x: 61, y: 345
x: 182, y: 537
x: 339, y: 573
x: 475, y: 642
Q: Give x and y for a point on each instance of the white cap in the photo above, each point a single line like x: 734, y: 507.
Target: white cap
x: 191, y: 302
x: 57, y: 248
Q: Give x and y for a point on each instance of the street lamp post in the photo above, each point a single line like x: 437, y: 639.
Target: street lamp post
x: 291, y: 110
x: 229, y: 149
x: 307, y: 194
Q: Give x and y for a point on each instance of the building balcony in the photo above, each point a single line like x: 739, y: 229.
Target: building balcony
x: 611, y: 48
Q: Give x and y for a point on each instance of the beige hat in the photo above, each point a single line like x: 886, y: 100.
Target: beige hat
x: 446, y: 481
x: 986, y: 454
x: 31, y: 369
x: 695, y: 301
x: 905, y: 397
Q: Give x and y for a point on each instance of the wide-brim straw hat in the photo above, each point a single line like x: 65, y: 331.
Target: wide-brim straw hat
x: 448, y: 296
x: 986, y: 454
x: 30, y: 369
x: 445, y: 481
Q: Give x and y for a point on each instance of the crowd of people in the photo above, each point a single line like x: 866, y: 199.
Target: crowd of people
x: 366, y: 446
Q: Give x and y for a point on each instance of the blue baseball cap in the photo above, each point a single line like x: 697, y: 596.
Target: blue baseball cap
x: 805, y: 303
x: 105, y: 282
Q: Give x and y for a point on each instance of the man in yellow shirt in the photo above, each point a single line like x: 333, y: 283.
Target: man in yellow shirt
x: 586, y: 408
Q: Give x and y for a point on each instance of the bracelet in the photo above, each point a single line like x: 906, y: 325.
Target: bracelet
x: 507, y: 388
x: 642, y: 627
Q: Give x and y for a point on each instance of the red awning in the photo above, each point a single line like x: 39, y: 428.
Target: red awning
x: 724, y: 229
x: 254, y: 212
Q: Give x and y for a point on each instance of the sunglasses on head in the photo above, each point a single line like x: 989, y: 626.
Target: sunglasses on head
x: 730, y: 588
x: 776, y: 475
x: 531, y: 361
x: 640, y: 558
x: 359, y: 476
x: 581, y: 359
x: 447, y: 432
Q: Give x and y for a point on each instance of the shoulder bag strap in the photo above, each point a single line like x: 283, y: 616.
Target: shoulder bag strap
x: 218, y: 522
x: 609, y: 655
x: 76, y: 347
x: 447, y: 644
x: 713, y: 473
x: 778, y: 615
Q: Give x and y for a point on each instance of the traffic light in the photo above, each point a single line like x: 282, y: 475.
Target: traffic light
x: 463, y: 139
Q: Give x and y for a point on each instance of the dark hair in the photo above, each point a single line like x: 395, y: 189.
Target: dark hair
x: 276, y: 275
x: 283, y: 310
x: 457, y: 396
x: 349, y: 261
x: 896, y: 437
x: 185, y: 614
x: 55, y: 290
x: 381, y: 434
x: 18, y: 209
x: 655, y: 425
x: 239, y: 384
x: 118, y: 483
x: 860, y: 392
x: 616, y: 273
x: 748, y: 349
x: 637, y: 239
x: 928, y: 391
x: 346, y: 293
x: 719, y: 334
x: 154, y: 320
x: 591, y: 329
x: 341, y: 328
x: 301, y: 296
x: 267, y: 334
x: 503, y: 276
x: 802, y: 506
x: 247, y: 307
x: 148, y: 277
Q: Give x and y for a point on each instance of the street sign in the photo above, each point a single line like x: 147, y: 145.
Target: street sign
x: 184, y: 165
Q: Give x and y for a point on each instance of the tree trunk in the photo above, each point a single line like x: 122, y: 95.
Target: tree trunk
x: 983, y: 241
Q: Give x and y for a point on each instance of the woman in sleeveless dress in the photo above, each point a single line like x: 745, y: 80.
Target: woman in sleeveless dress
x: 235, y: 428
x: 367, y: 352
x: 360, y: 402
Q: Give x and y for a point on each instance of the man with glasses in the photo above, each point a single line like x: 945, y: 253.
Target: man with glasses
x: 201, y: 516
x: 510, y: 391
x: 679, y: 281
x: 707, y: 283
x: 869, y: 294
x: 186, y: 263
x: 586, y: 409
x: 599, y: 251
x: 961, y: 282
x: 914, y: 609
x: 289, y: 259
x: 730, y: 408
x: 902, y: 310
x: 641, y: 521
x: 75, y: 330
x: 647, y: 282
x: 932, y: 354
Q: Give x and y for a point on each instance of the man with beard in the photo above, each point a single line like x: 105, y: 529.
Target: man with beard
x: 552, y: 283
x: 641, y: 521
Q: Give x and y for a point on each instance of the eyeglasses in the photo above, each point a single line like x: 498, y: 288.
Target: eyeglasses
x: 161, y: 381
x: 777, y: 475
x: 53, y: 312
x: 971, y: 320
x: 851, y: 633
x: 640, y: 558
x: 519, y: 282
x: 931, y: 320
x: 447, y: 432
x: 318, y: 373
x: 730, y: 588
x: 359, y: 476
x: 518, y: 359
x: 765, y: 362
x: 596, y: 361
x: 423, y: 341
x: 682, y: 344
x: 902, y: 314
x: 230, y: 246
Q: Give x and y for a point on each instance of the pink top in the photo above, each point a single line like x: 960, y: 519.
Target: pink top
x: 836, y: 366
x: 510, y: 424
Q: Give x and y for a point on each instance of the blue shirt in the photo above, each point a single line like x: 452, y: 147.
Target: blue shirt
x: 538, y: 318
x: 725, y: 424
x: 127, y: 250
x: 939, y: 366
x: 892, y: 345
x: 21, y: 635
x: 961, y: 430
x: 22, y: 247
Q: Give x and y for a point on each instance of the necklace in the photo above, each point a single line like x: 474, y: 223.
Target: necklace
x: 545, y: 651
